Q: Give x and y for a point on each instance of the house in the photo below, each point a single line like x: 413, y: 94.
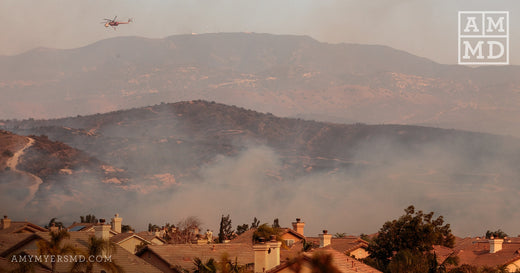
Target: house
x: 115, y: 225
x: 8, y: 241
x: 349, y: 245
x: 9, y: 227
x: 169, y: 257
x: 291, y: 236
x: 489, y: 252
x: 152, y: 237
x: 78, y: 239
x: 130, y: 241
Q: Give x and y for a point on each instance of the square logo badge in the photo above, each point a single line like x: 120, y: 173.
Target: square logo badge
x: 483, y: 38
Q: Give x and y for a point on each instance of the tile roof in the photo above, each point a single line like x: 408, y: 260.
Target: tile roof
x: 183, y: 254
x: 291, y: 231
x: 8, y: 241
x: 7, y: 265
x: 442, y: 253
x: 121, y: 237
x: 149, y: 236
x: 129, y: 262
x: 345, y: 244
x: 244, y: 238
x: 22, y: 227
x: 477, y: 252
x: 342, y: 262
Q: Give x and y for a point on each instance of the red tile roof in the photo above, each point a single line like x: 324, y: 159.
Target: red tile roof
x: 8, y: 241
x: 183, y: 254
x: 22, y: 227
x: 121, y: 237
x: 475, y: 251
x: 342, y: 262
x: 245, y: 238
x: 147, y: 235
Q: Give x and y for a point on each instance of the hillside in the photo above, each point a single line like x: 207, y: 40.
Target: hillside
x: 136, y: 139
x: 178, y: 152
x: 292, y: 76
x: 40, y: 174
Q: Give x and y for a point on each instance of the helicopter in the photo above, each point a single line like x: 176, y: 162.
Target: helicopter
x: 113, y: 23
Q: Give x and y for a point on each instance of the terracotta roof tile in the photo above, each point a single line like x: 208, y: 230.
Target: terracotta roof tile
x: 149, y: 236
x: 183, y: 254
x: 245, y: 238
x: 342, y: 262
x: 8, y: 241
x: 476, y: 252
x: 22, y: 227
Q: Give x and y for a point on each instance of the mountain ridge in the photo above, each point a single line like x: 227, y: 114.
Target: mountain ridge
x: 282, y: 74
x: 177, y: 153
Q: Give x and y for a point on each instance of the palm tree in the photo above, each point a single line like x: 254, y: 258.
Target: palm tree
x: 24, y: 266
x: 200, y: 267
x: 322, y: 263
x: 97, y: 247
x: 228, y: 266
x: 53, y: 247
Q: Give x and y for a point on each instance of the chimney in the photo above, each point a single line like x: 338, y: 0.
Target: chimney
x: 267, y: 255
x: 101, y: 230
x: 6, y: 222
x: 116, y: 223
x: 298, y: 226
x: 325, y: 238
x: 495, y: 245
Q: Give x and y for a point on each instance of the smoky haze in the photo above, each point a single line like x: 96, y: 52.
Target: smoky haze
x: 343, y: 183
x: 425, y: 28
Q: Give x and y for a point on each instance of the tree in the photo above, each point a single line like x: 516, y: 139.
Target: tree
x: 126, y: 228
x: 242, y: 228
x: 407, y: 240
x: 55, y: 223
x: 308, y: 246
x: 495, y: 234
x: 225, y: 265
x: 200, y: 267
x: 89, y: 218
x: 152, y: 228
x: 255, y: 223
x: 187, y: 230
x: 276, y: 223
x: 7, y: 153
x: 54, y: 246
x: 340, y: 235
x: 319, y: 263
x: 226, y: 230
x: 265, y: 232
x: 97, y: 247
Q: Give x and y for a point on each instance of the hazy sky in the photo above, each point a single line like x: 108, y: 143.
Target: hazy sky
x: 426, y: 28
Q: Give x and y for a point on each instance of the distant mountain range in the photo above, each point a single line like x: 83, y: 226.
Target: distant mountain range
x: 293, y: 76
x: 201, y: 152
